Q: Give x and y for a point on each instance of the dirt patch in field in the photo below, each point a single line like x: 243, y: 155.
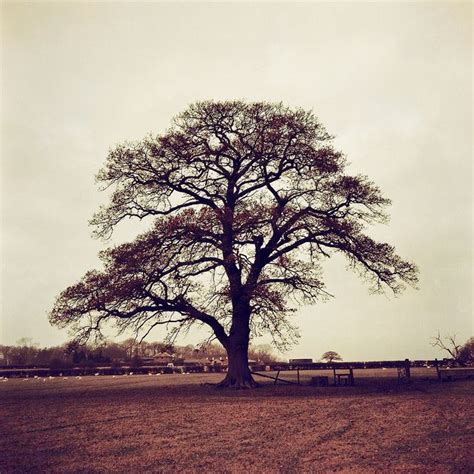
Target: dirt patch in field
x: 173, y: 423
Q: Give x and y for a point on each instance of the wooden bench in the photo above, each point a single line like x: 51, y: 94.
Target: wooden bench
x: 345, y: 375
x: 454, y: 373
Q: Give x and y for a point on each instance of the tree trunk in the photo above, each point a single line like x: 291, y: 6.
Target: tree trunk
x: 238, y: 372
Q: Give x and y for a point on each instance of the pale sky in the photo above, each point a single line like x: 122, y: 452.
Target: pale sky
x: 392, y: 82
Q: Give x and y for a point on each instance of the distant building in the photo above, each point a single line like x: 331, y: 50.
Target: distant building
x: 193, y: 362
x: 163, y: 358
x: 301, y: 361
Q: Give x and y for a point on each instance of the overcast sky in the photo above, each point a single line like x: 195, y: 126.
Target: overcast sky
x: 392, y: 82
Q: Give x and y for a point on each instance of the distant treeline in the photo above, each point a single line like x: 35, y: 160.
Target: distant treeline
x: 115, y: 354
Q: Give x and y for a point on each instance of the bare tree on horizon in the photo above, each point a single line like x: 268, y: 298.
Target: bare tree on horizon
x: 330, y: 356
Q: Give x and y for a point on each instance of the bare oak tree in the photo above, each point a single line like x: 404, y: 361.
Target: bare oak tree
x: 461, y: 354
x: 246, y: 200
x: 330, y: 356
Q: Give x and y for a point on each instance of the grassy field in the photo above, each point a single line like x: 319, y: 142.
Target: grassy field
x: 171, y: 423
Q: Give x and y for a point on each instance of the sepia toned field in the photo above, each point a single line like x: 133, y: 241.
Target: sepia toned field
x: 172, y: 423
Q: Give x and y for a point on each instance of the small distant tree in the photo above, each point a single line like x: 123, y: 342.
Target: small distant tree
x: 330, y: 356
x: 54, y: 357
x: 213, y: 351
x: 114, y: 351
x: 76, y: 351
x: 131, y: 347
x: 26, y: 342
x: 24, y: 353
x: 5, y: 356
x: 262, y: 353
x: 462, y: 354
x: 136, y: 362
x: 466, y: 353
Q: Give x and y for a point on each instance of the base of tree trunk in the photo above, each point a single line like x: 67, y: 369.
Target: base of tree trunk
x: 238, y: 382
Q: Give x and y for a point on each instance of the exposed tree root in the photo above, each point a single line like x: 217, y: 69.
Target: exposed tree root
x: 238, y: 383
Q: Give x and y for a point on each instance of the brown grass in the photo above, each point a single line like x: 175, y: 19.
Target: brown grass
x: 172, y: 423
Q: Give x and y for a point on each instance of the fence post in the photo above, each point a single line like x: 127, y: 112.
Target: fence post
x: 437, y: 369
x: 407, y: 369
x: 298, y: 374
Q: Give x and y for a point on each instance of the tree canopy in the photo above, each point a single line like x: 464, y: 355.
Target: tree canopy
x: 246, y: 200
x: 329, y: 356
